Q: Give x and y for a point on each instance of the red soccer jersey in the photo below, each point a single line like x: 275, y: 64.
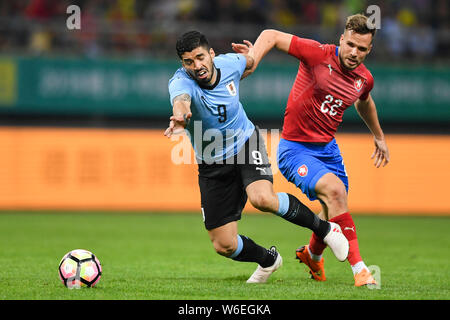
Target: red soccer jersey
x: 321, y: 92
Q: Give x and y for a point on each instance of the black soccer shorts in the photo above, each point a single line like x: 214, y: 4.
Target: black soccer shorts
x: 222, y: 185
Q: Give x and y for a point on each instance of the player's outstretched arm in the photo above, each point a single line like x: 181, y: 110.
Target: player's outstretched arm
x: 267, y: 40
x: 368, y: 112
x: 181, y: 115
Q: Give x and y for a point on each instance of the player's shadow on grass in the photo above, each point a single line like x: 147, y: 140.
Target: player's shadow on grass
x: 238, y: 278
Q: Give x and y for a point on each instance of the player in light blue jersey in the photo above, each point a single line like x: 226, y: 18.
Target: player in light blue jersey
x: 231, y: 154
x: 216, y: 109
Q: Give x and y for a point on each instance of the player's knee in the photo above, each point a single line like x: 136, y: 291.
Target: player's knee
x: 263, y: 201
x: 336, y: 195
x: 224, y: 247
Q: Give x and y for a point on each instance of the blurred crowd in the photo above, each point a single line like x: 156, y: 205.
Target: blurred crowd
x: 414, y: 29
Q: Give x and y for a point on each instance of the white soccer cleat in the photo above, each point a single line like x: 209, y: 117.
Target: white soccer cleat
x: 337, y: 242
x: 262, y: 274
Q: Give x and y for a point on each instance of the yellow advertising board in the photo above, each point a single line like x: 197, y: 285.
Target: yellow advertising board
x: 8, y: 85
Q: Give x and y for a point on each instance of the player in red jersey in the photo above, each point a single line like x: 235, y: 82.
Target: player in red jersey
x: 330, y: 79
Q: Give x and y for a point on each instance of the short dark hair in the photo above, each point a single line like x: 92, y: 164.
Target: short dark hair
x: 359, y: 23
x: 191, y: 40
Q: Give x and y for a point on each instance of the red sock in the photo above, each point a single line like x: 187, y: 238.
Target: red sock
x: 316, y: 245
x: 347, y: 225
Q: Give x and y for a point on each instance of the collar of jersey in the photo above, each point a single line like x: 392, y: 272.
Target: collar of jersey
x: 337, y: 51
x: 210, y: 87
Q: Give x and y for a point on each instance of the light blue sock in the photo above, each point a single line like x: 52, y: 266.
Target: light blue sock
x: 238, y: 249
x: 283, y: 203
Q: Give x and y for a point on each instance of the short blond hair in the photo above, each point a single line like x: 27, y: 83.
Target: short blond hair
x: 359, y: 23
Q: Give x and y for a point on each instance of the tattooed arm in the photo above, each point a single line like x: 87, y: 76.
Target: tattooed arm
x: 181, y: 115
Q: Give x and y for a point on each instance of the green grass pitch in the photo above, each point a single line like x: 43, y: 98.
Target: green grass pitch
x: 168, y: 256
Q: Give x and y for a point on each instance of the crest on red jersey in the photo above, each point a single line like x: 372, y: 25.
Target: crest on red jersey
x: 302, y: 170
x: 359, y: 82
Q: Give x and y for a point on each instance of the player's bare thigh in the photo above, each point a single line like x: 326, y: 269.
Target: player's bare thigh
x: 261, y: 195
x: 224, y: 238
x: 331, y: 190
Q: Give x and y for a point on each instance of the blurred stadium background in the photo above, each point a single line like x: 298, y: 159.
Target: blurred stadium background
x: 82, y: 112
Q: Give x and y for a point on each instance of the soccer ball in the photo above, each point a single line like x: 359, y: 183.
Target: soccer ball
x: 79, y: 268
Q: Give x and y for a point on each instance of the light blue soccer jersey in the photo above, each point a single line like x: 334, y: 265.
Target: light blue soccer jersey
x: 219, y: 126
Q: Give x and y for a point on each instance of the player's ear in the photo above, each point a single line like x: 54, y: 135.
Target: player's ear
x: 341, y: 39
x: 212, y: 53
x: 181, y: 60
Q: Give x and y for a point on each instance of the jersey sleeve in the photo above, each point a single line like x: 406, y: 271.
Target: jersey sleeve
x: 179, y: 85
x: 237, y: 61
x: 367, y: 88
x: 308, y: 51
x: 242, y: 63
